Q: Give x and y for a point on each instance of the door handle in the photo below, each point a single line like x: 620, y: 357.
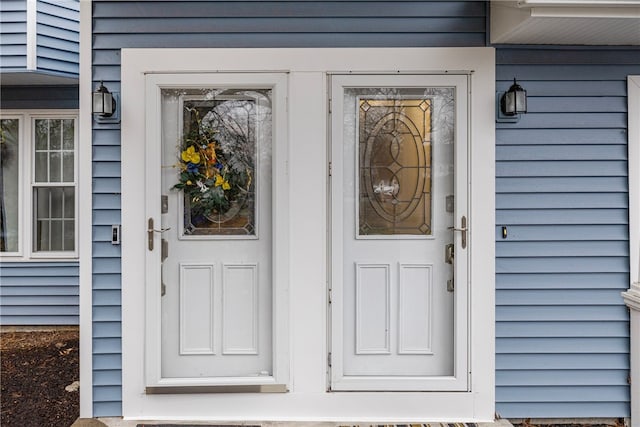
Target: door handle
x: 463, y: 230
x: 151, y: 230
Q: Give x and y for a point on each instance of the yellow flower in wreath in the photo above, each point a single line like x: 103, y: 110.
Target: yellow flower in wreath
x: 220, y: 181
x: 190, y: 155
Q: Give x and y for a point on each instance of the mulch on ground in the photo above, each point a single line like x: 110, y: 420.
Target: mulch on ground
x: 36, y: 367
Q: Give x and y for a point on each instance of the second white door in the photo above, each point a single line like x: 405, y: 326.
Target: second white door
x: 398, y: 190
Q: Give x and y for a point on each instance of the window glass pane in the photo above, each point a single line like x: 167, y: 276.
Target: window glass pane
x: 9, y: 136
x: 69, y: 235
x: 55, y: 212
x: 56, y: 202
x: 67, y: 134
x: 223, y: 133
x: 55, y: 166
x: 69, y: 203
x: 42, y: 134
x: 42, y: 167
x: 41, y: 237
x: 55, y: 134
x: 56, y: 235
x: 67, y: 166
x: 42, y: 203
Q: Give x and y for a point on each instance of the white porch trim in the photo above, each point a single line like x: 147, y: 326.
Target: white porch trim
x: 307, y: 264
x: 632, y: 296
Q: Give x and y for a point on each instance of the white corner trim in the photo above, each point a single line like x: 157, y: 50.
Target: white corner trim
x: 633, y: 161
x: 85, y: 217
x: 32, y: 34
x: 632, y: 296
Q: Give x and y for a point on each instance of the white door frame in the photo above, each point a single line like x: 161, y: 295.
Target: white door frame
x: 154, y: 84
x: 305, y: 265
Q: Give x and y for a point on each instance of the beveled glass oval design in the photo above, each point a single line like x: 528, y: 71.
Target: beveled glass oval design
x: 395, y: 166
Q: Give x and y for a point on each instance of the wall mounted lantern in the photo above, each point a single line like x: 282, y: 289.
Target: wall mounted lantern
x: 104, y: 104
x: 514, y: 101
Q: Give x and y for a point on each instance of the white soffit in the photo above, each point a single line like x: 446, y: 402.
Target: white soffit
x: 595, y: 22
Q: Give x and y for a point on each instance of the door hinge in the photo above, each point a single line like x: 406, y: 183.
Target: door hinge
x: 163, y: 289
x: 330, y: 295
x: 329, y: 359
x: 329, y: 105
x: 330, y: 168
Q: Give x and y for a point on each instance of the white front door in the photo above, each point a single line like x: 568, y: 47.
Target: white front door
x: 399, y: 269
x: 210, y: 228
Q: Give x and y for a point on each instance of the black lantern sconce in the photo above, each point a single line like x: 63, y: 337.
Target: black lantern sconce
x: 512, y: 103
x: 105, y: 106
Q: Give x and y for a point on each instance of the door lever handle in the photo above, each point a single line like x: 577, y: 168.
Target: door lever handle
x: 463, y: 230
x: 151, y: 230
x: 162, y: 230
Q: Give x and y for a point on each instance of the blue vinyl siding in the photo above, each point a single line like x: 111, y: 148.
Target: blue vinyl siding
x: 13, y: 35
x: 58, y: 36
x: 123, y: 24
x: 39, y: 293
x: 562, y: 331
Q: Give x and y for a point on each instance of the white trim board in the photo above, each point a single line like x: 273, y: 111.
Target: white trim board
x: 306, y: 266
x: 85, y: 233
x: 632, y: 296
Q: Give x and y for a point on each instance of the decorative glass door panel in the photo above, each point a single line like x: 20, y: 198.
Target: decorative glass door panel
x: 216, y: 233
x: 395, y: 166
x: 220, y: 133
x: 398, y: 146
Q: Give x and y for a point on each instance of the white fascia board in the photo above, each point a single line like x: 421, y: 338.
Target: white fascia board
x: 586, y: 12
x: 578, y: 3
x: 525, y: 22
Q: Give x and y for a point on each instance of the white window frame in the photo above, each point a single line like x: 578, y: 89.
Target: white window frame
x: 26, y: 184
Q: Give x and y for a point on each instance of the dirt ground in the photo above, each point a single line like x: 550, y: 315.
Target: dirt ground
x: 36, y: 369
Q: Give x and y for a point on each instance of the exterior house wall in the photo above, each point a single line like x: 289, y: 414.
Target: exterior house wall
x: 562, y: 332
x: 119, y: 25
x: 43, y: 293
x: 58, y: 38
x: 13, y: 51
x: 562, y: 328
x: 40, y: 293
x: 40, y: 36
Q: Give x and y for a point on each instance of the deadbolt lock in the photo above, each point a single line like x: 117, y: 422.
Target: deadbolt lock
x: 448, y: 253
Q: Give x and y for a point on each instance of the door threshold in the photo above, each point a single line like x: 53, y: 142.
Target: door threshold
x: 227, y: 388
